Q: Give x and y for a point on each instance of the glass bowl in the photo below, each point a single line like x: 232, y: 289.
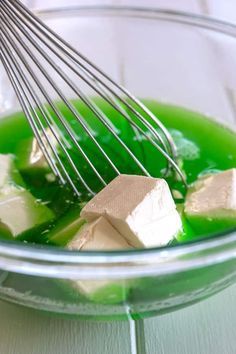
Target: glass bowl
x: 168, y: 56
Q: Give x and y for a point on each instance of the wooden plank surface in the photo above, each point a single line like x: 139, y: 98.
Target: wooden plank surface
x: 205, y: 328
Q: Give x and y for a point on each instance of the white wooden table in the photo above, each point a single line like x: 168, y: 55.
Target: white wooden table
x: 205, y: 328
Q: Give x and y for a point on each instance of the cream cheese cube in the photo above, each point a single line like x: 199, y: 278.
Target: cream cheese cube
x: 88, y: 287
x: 31, y: 158
x: 134, y: 205
x: 8, y: 174
x: 99, y: 236
x: 212, y: 201
x: 5, y: 169
x: 213, y: 195
x: 37, y: 157
x: 20, y: 211
x: 162, y: 231
x: 99, y: 291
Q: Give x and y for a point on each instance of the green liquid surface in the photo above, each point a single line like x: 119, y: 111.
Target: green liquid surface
x: 203, y: 146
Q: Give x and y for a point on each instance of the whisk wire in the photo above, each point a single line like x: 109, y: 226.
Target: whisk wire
x: 85, y: 99
x: 34, y: 101
x: 70, y: 132
x: 93, y: 107
x: 19, y: 90
x: 48, y: 120
x: 95, y: 79
x: 59, y: 41
x: 19, y: 30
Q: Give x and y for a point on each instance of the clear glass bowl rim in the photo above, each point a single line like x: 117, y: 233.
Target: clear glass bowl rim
x: 59, y: 263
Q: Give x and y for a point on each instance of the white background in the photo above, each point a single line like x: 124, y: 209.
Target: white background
x: 205, y: 328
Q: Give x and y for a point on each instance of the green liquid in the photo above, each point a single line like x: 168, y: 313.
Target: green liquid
x: 203, y: 146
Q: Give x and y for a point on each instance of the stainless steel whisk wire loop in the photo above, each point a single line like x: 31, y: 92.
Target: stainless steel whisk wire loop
x: 26, y: 45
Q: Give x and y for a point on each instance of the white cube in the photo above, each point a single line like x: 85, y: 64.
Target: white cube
x: 213, y: 196
x: 140, y: 208
x: 98, y: 236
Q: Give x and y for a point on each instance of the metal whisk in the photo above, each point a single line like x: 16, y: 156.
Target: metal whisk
x: 35, y: 57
